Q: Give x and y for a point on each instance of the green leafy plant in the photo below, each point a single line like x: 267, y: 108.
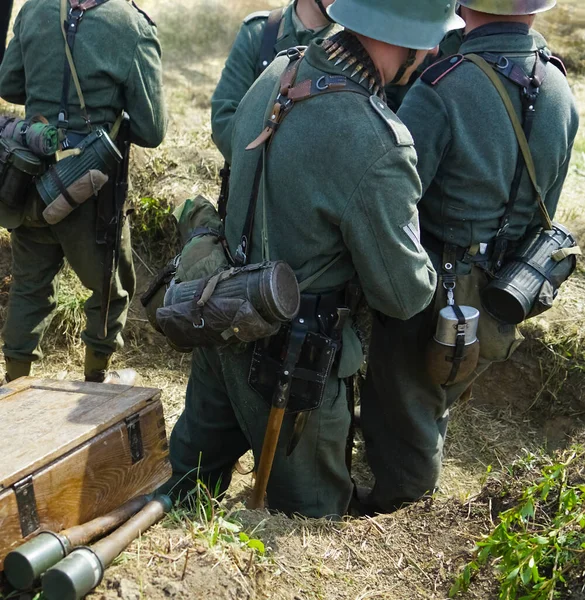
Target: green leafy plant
x: 538, y: 542
x: 207, y: 520
x: 154, y: 231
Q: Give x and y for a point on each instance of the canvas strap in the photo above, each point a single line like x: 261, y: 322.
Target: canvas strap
x: 518, y: 130
x: 269, y: 39
x: 286, y: 96
x: 70, y: 21
x: 525, y: 149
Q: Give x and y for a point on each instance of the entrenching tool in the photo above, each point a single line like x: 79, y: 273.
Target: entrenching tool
x: 298, y: 333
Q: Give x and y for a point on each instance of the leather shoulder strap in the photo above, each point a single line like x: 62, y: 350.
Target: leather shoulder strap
x: 269, y: 40
x: 441, y: 69
x: 144, y: 14
x: 518, y: 130
x: 559, y: 64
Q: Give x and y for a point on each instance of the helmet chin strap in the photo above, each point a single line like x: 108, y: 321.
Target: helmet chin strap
x: 319, y: 3
x: 410, y: 60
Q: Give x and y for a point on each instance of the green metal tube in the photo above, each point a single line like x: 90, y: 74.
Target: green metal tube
x: 25, y: 565
x: 82, y: 571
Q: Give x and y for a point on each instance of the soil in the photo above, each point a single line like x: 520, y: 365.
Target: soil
x: 534, y: 401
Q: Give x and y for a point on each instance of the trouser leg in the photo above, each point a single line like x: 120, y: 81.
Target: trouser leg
x: 224, y: 417
x: 207, y: 440
x: 37, y: 259
x: 77, y: 235
x: 404, y: 415
x: 313, y: 480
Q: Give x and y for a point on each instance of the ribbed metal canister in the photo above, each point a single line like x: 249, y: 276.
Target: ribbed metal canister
x: 511, y: 296
x: 271, y: 288
x: 98, y: 151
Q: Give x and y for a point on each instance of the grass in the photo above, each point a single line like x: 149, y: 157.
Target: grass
x: 69, y: 318
x: 207, y: 521
x: 155, y: 236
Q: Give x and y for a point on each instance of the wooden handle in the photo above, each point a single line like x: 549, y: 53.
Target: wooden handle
x: 81, y: 535
x: 108, y: 548
x: 267, y: 457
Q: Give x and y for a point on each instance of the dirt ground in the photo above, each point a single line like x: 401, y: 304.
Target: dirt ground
x: 535, y: 401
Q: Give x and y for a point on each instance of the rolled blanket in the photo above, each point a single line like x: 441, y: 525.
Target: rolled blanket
x: 77, y: 193
x: 40, y: 138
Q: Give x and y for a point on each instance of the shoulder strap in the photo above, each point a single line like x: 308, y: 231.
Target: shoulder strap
x: 289, y: 94
x: 437, y: 71
x: 305, y: 284
x: 518, y: 130
x: 269, y: 40
x: 286, y: 95
x: 70, y: 21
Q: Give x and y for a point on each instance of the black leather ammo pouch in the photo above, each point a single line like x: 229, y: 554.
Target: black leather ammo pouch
x: 323, y: 319
x: 18, y: 167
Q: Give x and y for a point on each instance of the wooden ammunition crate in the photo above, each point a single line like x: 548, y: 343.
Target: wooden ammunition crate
x: 72, y: 451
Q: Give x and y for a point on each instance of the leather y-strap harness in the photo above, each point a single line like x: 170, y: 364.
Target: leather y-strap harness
x: 530, y: 89
x: 288, y: 94
x: 71, y: 26
x: 269, y: 39
x: 323, y: 10
x: 266, y: 56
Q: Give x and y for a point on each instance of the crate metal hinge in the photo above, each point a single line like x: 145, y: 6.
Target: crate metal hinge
x: 27, y: 505
x: 135, y: 438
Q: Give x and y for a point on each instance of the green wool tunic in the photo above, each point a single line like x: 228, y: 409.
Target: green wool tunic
x: 340, y: 180
x: 467, y: 159
x: 467, y: 150
x: 242, y: 67
x: 118, y: 60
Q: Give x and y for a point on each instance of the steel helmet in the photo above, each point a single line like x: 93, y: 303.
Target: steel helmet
x: 416, y: 24
x: 509, y: 7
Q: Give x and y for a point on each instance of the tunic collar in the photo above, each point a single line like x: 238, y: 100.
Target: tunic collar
x: 505, y: 41
x: 294, y: 33
x: 318, y: 58
x: 500, y: 28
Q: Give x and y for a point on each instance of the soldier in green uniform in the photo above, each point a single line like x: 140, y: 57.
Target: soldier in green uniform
x: 5, y: 13
x: 118, y: 60
x: 478, y: 203
x: 338, y: 197
x: 262, y: 36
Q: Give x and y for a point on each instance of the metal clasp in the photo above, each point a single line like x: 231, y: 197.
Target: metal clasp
x: 319, y: 85
x: 449, y: 286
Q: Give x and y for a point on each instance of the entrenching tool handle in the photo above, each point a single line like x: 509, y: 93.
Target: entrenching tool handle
x: 269, y: 445
x: 298, y: 333
x: 109, y: 270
